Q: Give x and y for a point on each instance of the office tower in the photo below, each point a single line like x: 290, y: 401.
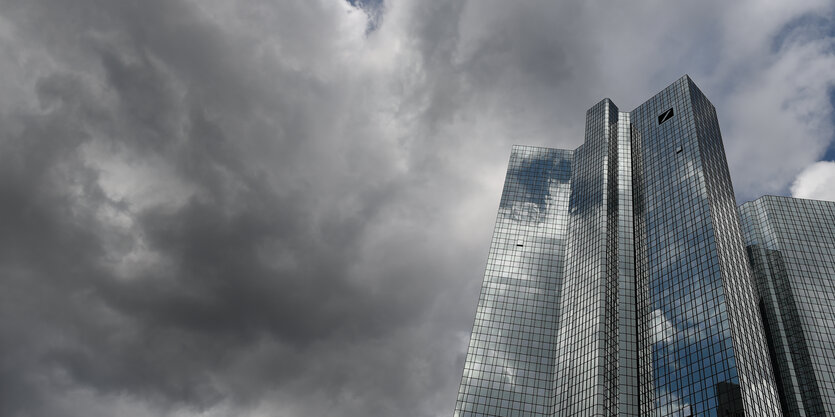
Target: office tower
x: 791, y: 243
x: 617, y: 282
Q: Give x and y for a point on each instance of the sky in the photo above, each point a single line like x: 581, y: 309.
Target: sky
x: 283, y: 208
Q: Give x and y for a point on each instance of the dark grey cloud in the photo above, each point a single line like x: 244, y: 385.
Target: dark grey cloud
x: 275, y: 208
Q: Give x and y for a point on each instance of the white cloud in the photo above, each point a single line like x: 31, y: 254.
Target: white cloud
x: 662, y: 329
x: 817, y: 181
x: 139, y: 182
x: 779, y: 118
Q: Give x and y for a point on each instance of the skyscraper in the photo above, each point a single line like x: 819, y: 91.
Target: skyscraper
x: 617, y: 282
x: 791, y: 243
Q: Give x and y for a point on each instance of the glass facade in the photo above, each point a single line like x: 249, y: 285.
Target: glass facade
x: 617, y: 282
x: 628, y: 353
x: 509, y: 370
x: 791, y: 245
x: 708, y: 354
x: 587, y: 339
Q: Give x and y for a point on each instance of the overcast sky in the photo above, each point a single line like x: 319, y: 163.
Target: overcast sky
x: 283, y: 208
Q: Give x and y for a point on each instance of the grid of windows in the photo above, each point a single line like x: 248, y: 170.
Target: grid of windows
x: 586, y: 376
x: 792, y: 251
x: 758, y: 389
x: 510, y: 361
x: 707, y: 349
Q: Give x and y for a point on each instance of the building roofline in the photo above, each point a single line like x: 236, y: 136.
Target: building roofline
x: 786, y: 197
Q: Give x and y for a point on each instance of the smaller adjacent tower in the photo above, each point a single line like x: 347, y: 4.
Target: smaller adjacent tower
x: 791, y: 244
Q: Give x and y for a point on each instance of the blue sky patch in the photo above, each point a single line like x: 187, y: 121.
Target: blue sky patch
x: 374, y: 10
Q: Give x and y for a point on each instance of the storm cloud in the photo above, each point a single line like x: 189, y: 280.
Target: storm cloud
x: 283, y: 208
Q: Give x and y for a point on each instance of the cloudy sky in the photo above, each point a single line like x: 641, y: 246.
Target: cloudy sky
x: 283, y: 208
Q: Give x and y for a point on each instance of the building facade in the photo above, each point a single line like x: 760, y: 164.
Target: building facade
x: 617, y: 282
x: 791, y: 244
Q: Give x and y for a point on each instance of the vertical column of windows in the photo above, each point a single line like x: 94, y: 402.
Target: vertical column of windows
x: 586, y: 372
x: 628, y: 390
x: 646, y: 376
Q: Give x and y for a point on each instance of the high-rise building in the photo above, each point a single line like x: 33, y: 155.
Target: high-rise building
x: 791, y: 244
x: 617, y: 282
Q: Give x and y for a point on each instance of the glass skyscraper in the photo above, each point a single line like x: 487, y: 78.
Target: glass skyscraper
x: 618, y: 282
x: 791, y: 243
